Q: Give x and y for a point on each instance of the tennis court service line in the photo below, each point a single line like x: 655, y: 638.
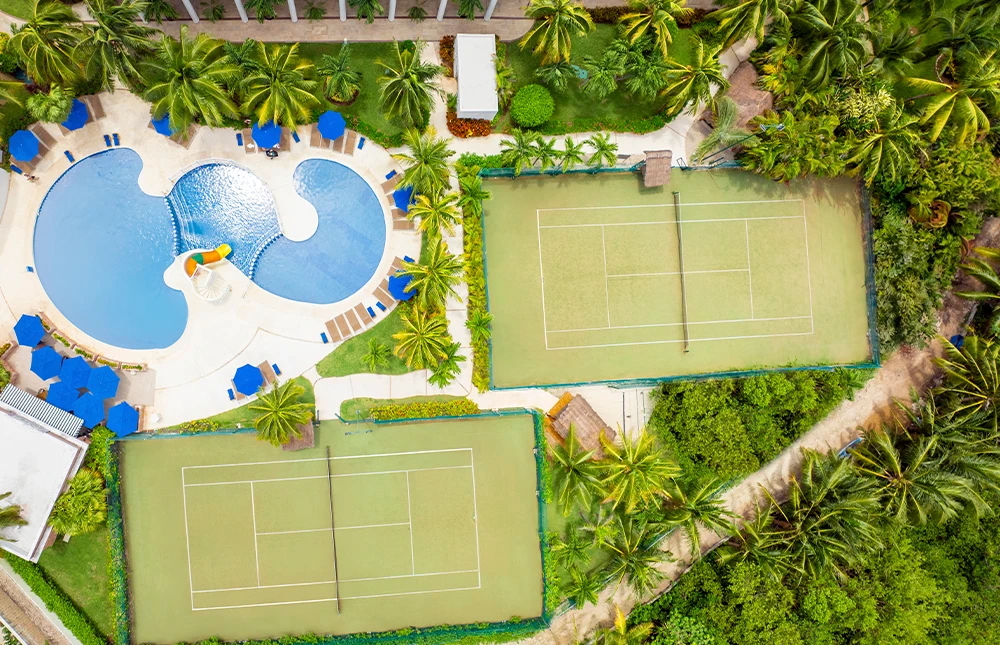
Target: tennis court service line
x: 330, y: 582
x: 289, y: 479
x: 296, y: 461
x: 631, y: 206
x: 677, y: 324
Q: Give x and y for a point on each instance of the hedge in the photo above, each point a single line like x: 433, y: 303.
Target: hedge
x: 637, y: 126
x: 532, y: 106
x: 56, y: 601
x: 117, y: 562
x: 475, y: 278
x: 424, y: 410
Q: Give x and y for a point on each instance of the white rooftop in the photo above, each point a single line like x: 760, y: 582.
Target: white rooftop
x: 477, y: 77
x: 36, y: 462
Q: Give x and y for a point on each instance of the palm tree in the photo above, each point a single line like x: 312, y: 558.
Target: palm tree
x: 647, y: 76
x: 605, y: 152
x: 340, y: 83
x: 377, y: 355
x: 582, y: 587
x: 279, y: 88
x: 436, y: 213
x: 556, y: 75
x: 621, y: 634
x: 887, y: 148
x: 571, y: 155
x: 575, y: 474
x: 83, y: 507
x: 981, y: 268
x: 601, y: 524
x: 518, y: 151
x: 424, y: 340
x: 969, y: 27
x: 724, y: 132
x: 188, y: 81
x: 472, y: 195
x: 635, y: 473
x: 602, y: 74
x: 546, y: 154
x: 965, y: 97
x: 654, y: 17
x: 479, y: 325
x: 696, y: 503
x: 835, y: 40
x: 45, y: 43
x: 435, y: 279
x: 893, y: 51
x: 280, y: 412
x: 10, y: 515
x: 241, y: 55
x: 468, y: 8
x: 691, y: 85
x: 425, y: 162
x: 750, y: 17
x: 53, y: 106
x: 972, y: 377
x: 757, y: 541
x: 448, y: 369
x: 556, y: 22
x: 634, y: 556
x: 159, y: 10
x: 571, y: 549
x: 367, y: 9
x: 115, y: 42
x: 407, y: 85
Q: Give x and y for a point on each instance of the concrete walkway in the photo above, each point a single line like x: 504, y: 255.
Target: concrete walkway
x: 26, y: 612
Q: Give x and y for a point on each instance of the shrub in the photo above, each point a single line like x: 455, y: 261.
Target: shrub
x: 83, y: 508
x: 9, y: 62
x: 467, y: 128
x: 424, y: 410
x: 4, y: 377
x: 607, y: 15
x: 200, y: 425
x: 448, y: 54
x: 101, y: 441
x: 532, y: 106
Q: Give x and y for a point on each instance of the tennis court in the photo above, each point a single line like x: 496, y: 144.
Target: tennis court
x: 403, y: 525
x: 594, y: 278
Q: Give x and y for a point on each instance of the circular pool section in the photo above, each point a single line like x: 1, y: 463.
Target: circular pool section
x: 102, y: 244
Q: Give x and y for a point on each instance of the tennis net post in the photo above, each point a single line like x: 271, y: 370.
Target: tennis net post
x: 680, y: 261
x: 333, y: 530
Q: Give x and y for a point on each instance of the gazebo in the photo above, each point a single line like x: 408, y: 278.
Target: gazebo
x: 573, y: 410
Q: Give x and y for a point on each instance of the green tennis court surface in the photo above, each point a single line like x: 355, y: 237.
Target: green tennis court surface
x: 594, y: 278
x: 433, y: 523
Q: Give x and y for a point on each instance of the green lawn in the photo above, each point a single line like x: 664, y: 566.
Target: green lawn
x: 80, y: 568
x: 17, y: 8
x: 243, y: 416
x: 346, y: 359
x: 574, y: 105
x: 357, y: 409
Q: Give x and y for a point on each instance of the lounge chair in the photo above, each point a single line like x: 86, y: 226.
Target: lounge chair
x: 384, y: 299
x: 345, y: 329
x: 338, y: 144
x: 44, y: 138
x: 352, y: 141
x: 390, y: 184
x: 249, y: 146
x: 366, y: 318
x: 285, y: 141
x: 96, y: 109
x: 315, y: 138
x: 331, y: 327
x: 403, y: 225
x: 268, y: 373
x: 352, y: 318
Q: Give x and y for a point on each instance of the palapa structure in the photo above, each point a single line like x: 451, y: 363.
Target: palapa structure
x: 748, y: 96
x: 574, y: 411
x: 656, y: 171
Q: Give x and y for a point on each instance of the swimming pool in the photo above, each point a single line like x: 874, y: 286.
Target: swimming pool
x: 101, y: 244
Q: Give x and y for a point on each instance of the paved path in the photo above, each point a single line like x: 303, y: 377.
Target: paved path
x: 33, y: 624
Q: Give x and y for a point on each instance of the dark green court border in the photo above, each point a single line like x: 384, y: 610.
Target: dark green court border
x: 468, y: 634
x: 870, y: 293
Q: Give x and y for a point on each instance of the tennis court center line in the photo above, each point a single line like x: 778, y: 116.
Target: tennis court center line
x: 295, y: 461
x: 288, y: 479
x: 681, y: 340
x: 409, y: 522
x: 187, y: 538
x: 805, y: 230
x: 301, y: 602
x: 746, y: 229
x: 253, y: 514
x: 607, y: 290
x: 541, y: 276
x: 475, y: 518
x: 629, y: 206
x: 330, y: 582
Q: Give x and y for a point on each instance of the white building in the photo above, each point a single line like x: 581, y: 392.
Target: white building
x: 476, y: 73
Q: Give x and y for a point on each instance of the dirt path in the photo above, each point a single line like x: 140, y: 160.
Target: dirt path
x: 906, y: 370
x: 25, y: 617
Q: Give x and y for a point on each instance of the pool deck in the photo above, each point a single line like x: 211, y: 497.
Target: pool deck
x: 251, y: 325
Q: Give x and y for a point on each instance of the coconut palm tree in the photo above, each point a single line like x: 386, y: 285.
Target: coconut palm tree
x: 279, y: 87
x: 83, y: 507
x: 472, y: 195
x: 556, y: 75
x: 603, y: 74
x: 241, y: 55
x: 425, y: 162
x: 654, y: 17
x: 575, y: 474
x: 834, y: 38
x: 53, y: 106
x: 694, y: 503
x: 556, y: 22
x: 887, y: 148
x: 407, y: 84
x: 376, y: 356
x: 10, y: 515
x: 478, y: 324
x: 894, y: 51
x: 159, y: 10
x: 435, y: 279
x: 367, y: 9
x: 725, y: 132
x: 601, y: 525
x: 46, y: 41
x: 969, y: 27
x: 279, y: 413
x: 263, y: 9
x: 691, y: 85
x: 980, y: 266
x: 424, y: 340
x: 518, y: 151
x: 448, y: 369
x: 341, y: 83
x: 972, y: 377
x: 634, y: 555
x: 546, y: 155
x: 637, y: 473
x: 966, y: 96
x: 188, y: 78
x: 621, y: 634
x: 748, y: 18
x: 582, y: 587
x: 468, y: 8
x: 757, y: 541
x: 436, y: 213
x: 571, y: 155
x: 605, y: 152
x: 115, y: 42
x: 646, y: 76
x: 570, y: 549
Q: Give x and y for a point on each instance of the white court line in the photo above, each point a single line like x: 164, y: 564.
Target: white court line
x: 541, y: 276
x: 628, y: 206
x: 296, y: 461
x: 664, y: 342
x: 187, y: 538
x: 289, y: 479
x: 301, y: 602
x: 409, y: 515
x: 805, y: 230
x: 475, y: 517
x: 607, y: 291
x: 746, y: 228
x: 330, y: 582
x: 674, y: 222
x: 339, y: 528
x: 253, y: 514
x: 673, y: 324
x: 644, y: 275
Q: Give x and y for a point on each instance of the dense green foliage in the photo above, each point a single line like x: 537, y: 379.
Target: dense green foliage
x: 82, y: 508
x: 80, y: 568
x: 424, y: 410
x: 532, y: 106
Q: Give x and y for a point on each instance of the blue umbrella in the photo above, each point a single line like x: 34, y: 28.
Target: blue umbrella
x: 103, y: 382
x: 89, y: 408
x: 331, y: 125
x: 75, y: 372
x: 403, y: 197
x: 397, y: 287
x: 23, y: 145
x: 63, y: 396
x: 29, y: 330
x: 163, y: 125
x: 45, y: 362
x: 267, y: 136
x: 248, y: 379
x: 77, y: 116
x: 123, y: 419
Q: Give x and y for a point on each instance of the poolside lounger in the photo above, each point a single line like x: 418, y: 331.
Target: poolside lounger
x: 315, y: 138
x: 96, y: 109
x: 338, y: 144
x: 239, y: 395
x: 403, y: 225
x: 371, y: 312
x: 398, y: 213
x: 183, y: 139
x: 117, y: 140
x: 239, y: 139
x: 397, y: 264
x: 322, y: 336
x: 331, y: 327
x: 390, y: 184
x: 249, y: 146
x: 380, y: 305
x: 352, y: 142
x: 353, y: 320
x: 107, y: 140
x: 69, y: 156
x: 284, y: 141
x: 267, y: 372
x: 384, y: 299
x: 366, y: 319
x: 232, y: 397
x: 276, y: 369
x: 43, y: 135
x: 345, y: 329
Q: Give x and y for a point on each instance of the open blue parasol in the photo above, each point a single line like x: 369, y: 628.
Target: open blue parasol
x: 123, y: 419
x: 62, y: 396
x: 29, y: 330
x: 331, y: 125
x: 248, y: 379
x: 23, y: 145
x: 103, y: 382
x: 266, y: 136
x: 75, y: 372
x: 45, y: 362
x: 77, y: 116
x: 89, y: 408
x: 397, y: 287
x: 403, y: 197
x: 163, y: 125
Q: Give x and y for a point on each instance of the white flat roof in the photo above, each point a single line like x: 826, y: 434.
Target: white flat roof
x: 35, y: 463
x: 476, y: 72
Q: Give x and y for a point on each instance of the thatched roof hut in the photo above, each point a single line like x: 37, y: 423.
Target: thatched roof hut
x: 748, y: 96
x: 656, y: 172
x: 588, y: 426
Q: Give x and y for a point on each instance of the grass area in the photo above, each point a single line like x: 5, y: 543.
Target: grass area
x: 80, y: 568
x: 574, y: 104
x: 17, y: 8
x: 363, y: 59
x: 346, y: 359
x: 357, y: 409
x: 242, y: 416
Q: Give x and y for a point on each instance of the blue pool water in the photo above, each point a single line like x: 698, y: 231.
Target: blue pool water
x: 102, y: 245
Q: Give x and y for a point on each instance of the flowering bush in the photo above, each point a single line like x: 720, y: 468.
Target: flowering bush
x: 467, y: 128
